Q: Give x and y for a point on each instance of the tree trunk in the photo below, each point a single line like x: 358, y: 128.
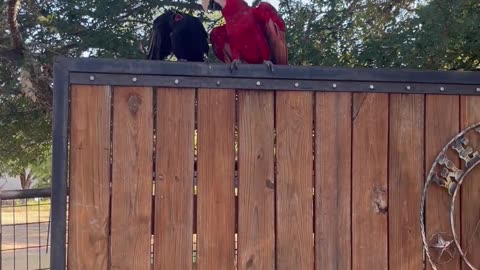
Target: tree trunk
x: 26, y: 179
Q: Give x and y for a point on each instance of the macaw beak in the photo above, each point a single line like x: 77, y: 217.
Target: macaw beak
x: 205, y: 4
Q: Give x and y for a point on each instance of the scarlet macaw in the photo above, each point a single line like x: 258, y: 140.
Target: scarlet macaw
x: 252, y: 35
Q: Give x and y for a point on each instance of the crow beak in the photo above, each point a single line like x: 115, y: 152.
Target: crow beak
x: 205, y: 4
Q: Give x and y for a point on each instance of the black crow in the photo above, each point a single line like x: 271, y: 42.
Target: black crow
x: 178, y: 33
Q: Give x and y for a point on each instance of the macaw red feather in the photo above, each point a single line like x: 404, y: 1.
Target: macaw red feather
x: 274, y: 29
x: 251, y: 35
x: 220, y: 46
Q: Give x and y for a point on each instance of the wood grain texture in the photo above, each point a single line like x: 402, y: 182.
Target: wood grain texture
x: 174, y: 185
x: 89, y: 178
x: 470, y: 199
x: 333, y: 181
x: 406, y: 177
x: 441, y: 125
x: 369, y: 182
x: 132, y: 170
x: 256, y: 236
x: 294, y: 182
x: 215, y: 201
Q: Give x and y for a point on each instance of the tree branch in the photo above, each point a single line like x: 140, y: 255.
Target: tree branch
x: 12, y: 13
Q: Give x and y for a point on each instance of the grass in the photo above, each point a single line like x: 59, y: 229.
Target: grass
x: 31, y: 213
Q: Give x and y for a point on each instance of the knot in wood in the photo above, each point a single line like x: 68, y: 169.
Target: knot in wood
x: 270, y: 184
x: 134, y: 102
x: 380, y: 204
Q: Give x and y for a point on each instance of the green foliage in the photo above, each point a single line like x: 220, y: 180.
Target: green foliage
x: 24, y: 134
x: 42, y: 172
x: 444, y: 35
x: 437, y: 34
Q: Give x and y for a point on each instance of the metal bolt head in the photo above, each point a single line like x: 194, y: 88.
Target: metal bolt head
x: 334, y: 85
x: 442, y: 88
x: 297, y: 84
x: 478, y: 89
x: 259, y: 83
x: 372, y: 87
x: 408, y: 87
x: 92, y: 78
x: 177, y: 81
x: 218, y: 82
x: 134, y: 79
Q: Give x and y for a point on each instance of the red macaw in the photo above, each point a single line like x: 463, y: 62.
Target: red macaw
x: 250, y: 35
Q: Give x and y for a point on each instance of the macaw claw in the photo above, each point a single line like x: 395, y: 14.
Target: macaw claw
x: 234, y: 65
x: 205, y: 59
x: 269, y: 64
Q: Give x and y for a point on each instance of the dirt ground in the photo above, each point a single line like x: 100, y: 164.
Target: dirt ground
x: 26, y: 241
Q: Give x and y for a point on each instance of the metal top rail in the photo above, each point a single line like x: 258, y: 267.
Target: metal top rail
x: 259, y: 77
x: 25, y: 194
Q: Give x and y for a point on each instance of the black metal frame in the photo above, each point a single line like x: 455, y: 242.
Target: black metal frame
x: 25, y: 194
x: 59, y: 164
x: 91, y: 71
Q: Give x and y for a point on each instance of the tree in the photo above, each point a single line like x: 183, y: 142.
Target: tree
x: 443, y: 35
x: 25, y: 137
x: 435, y: 35
x: 42, y: 172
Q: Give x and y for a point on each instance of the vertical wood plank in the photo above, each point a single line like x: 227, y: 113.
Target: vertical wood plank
x: 174, y: 185
x: 132, y: 170
x: 333, y: 181
x: 256, y: 236
x: 441, y: 125
x: 470, y: 114
x: 369, y: 181
x: 294, y: 200
x: 216, y: 202
x: 406, y: 176
x: 89, y: 178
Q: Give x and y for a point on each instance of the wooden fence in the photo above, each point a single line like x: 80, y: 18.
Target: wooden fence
x: 174, y: 166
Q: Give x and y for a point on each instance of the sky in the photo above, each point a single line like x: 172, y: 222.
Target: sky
x: 272, y: 2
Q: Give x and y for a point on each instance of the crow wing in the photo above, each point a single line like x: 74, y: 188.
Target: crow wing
x: 160, y: 41
x: 274, y: 28
x: 202, y: 35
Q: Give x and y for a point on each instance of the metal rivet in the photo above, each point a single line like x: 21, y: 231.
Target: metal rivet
x: 408, y: 87
x: 478, y: 89
x: 296, y: 84
x: 442, y: 88
x: 218, y: 82
x: 134, y: 79
x: 334, y: 85
x: 92, y: 78
x: 372, y: 87
x: 259, y: 83
x: 176, y: 81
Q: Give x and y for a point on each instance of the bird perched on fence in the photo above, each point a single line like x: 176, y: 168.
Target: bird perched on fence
x: 178, y: 33
x: 250, y: 35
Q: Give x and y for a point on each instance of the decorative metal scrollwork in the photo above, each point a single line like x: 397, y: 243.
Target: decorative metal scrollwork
x: 442, y: 247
